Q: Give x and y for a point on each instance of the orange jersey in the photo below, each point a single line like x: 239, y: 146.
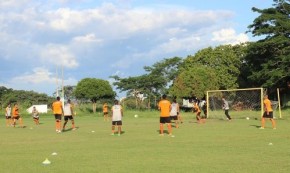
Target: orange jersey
x: 15, y: 111
x: 164, y: 107
x: 57, y: 107
x: 196, y: 107
x: 268, y: 105
x: 105, y: 108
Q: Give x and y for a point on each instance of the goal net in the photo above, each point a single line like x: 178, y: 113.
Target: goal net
x: 243, y: 103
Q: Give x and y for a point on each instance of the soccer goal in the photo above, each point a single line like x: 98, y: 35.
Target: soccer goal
x: 243, y: 103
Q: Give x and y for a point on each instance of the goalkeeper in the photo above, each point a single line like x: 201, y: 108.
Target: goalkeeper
x: 226, y: 108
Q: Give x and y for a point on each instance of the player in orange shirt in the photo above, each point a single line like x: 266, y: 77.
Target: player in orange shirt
x: 165, y: 107
x: 105, y: 112
x: 16, y: 115
x: 268, y: 113
x: 198, y: 112
x: 58, y: 113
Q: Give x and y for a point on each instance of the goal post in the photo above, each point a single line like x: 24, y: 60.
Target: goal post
x: 243, y: 103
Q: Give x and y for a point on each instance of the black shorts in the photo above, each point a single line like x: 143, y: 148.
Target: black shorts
x: 270, y: 115
x: 16, y: 118
x: 66, y: 118
x: 164, y: 120
x: 105, y: 113
x: 36, y: 118
x: 8, y: 117
x: 116, y: 123
x: 173, y: 117
x: 57, y: 116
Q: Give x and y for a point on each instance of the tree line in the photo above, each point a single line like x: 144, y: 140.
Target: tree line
x: 23, y: 98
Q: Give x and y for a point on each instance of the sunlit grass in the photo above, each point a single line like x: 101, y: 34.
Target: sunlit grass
x: 216, y: 146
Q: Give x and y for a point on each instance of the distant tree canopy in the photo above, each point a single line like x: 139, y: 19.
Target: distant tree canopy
x: 194, y: 82
x: 269, y: 58
x: 156, y: 81
x: 24, y: 98
x: 209, y: 69
x: 93, y: 89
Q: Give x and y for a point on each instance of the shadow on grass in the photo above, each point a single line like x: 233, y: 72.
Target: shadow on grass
x: 122, y: 132
x: 255, y: 126
x: 70, y: 129
x: 164, y: 131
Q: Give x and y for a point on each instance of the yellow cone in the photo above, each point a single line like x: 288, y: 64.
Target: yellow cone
x: 46, y: 162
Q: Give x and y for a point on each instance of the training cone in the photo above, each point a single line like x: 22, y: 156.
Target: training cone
x: 46, y: 162
x: 54, y: 153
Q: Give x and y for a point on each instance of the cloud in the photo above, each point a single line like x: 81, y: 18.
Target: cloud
x: 39, y: 75
x: 59, y: 55
x: 88, y: 38
x: 229, y: 36
x: 5, y: 4
x: 40, y: 80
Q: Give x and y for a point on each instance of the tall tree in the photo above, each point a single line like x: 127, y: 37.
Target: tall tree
x: 157, y: 80
x: 94, y: 89
x: 269, y: 58
x: 194, y: 82
x: 225, y: 60
x: 165, y: 71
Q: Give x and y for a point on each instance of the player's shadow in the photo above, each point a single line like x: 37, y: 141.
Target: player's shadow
x: 122, y: 132
x: 70, y: 129
x: 173, y: 125
x: 164, y: 131
x: 255, y: 126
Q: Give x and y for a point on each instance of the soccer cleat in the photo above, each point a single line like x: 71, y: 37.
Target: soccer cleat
x: 112, y: 134
x: 161, y: 134
x: 274, y: 128
x: 261, y: 128
x: 119, y: 134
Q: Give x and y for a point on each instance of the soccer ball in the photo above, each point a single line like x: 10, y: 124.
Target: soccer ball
x: 136, y: 116
x: 247, y: 118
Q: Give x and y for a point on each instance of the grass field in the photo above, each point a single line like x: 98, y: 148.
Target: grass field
x: 216, y: 146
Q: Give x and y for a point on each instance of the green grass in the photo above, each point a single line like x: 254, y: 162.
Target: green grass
x: 216, y: 146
